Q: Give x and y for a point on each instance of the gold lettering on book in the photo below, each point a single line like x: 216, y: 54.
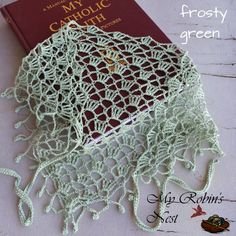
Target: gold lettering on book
x: 111, y: 23
x: 94, y: 20
x: 84, y: 15
x: 53, y: 5
x: 72, y: 6
x: 112, y: 58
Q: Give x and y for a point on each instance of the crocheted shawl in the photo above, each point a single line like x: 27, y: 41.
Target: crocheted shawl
x: 111, y: 111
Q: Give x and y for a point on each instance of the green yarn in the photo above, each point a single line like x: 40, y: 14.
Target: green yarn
x: 81, y: 83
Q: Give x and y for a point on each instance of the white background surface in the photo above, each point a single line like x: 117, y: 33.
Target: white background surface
x: 216, y: 61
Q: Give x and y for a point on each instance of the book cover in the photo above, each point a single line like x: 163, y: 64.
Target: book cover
x: 34, y: 21
x: 109, y: 15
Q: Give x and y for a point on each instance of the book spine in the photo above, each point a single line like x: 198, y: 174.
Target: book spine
x: 6, y: 14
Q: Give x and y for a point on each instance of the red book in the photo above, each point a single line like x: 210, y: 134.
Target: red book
x: 34, y: 21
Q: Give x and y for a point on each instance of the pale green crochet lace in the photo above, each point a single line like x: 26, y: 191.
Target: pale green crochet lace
x: 81, y: 83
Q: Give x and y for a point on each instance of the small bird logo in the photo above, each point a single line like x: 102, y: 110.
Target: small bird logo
x: 198, y: 212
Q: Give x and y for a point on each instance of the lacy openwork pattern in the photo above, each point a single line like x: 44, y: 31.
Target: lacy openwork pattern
x: 111, y: 110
